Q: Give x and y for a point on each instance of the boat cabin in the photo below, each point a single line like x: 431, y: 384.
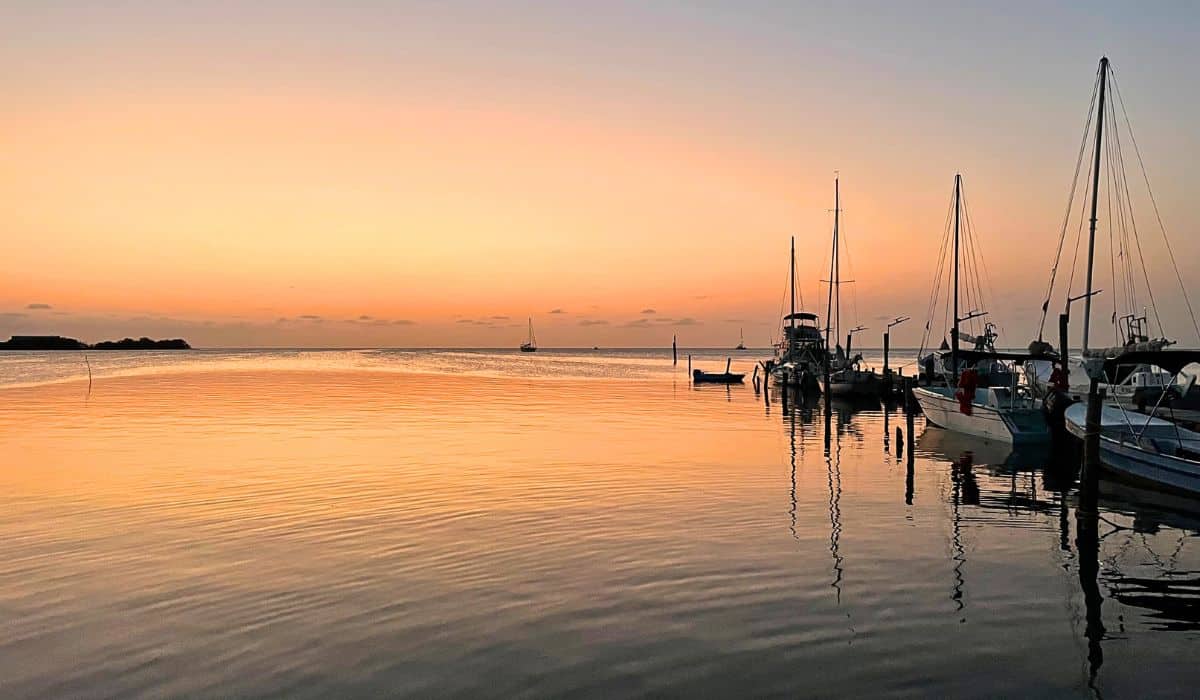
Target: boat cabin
x: 805, y: 330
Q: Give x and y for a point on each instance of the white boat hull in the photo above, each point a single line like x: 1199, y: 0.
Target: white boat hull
x: 1127, y: 460
x: 985, y: 421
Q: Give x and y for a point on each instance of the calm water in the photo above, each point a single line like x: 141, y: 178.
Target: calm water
x: 450, y: 523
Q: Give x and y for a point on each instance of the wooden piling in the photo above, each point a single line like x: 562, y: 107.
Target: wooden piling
x: 1090, y: 474
x: 689, y: 365
x: 1063, y: 322
x: 675, y: 355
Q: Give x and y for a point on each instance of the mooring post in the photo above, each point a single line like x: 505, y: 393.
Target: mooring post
x: 1090, y: 474
x: 675, y: 354
x: 1064, y: 320
x: 689, y: 365
x: 909, y: 417
x: 885, y: 353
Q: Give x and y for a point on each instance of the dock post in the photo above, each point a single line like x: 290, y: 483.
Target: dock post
x: 689, y: 365
x: 1089, y: 476
x: 675, y: 355
x: 885, y: 353
x: 909, y: 416
x: 1063, y: 321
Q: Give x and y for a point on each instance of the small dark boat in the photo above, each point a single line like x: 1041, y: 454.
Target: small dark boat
x: 699, y: 376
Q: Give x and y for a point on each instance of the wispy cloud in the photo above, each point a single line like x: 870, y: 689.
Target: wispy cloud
x: 648, y: 311
x: 13, y: 314
x: 39, y: 307
x: 402, y: 322
x: 556, y: 311
x: 500, y: 318
x: 309, y: 317
x: 637, y: 323
x: 593, y: 322
x: 687, y: 321
x: 365, y: 317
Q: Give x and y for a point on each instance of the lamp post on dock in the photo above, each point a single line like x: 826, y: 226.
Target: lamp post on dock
x: 887, y: 332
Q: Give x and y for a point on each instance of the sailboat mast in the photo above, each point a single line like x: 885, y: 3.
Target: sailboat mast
x: 1087, y: 300
x: 792, y: 275
x: 954, y: 328
x: 832, y: 269
x: 837, y: 260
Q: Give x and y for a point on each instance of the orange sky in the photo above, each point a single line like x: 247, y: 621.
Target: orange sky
x: 227, y: 177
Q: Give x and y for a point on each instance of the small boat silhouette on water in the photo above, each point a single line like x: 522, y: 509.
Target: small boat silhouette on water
x: 699, y: 376
x: 531, y: 344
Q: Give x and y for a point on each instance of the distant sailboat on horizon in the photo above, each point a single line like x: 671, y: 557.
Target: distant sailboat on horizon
x: 530, y: 345
x: 741, y: 341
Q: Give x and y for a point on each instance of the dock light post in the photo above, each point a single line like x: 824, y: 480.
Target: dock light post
x: 1064, y: 321
x: 887, y: 341
x: 850, y: 339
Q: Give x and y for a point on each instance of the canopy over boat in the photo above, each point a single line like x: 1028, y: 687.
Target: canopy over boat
x: 801, y: 316
x: 1171, y: 360
x: 970, y: 356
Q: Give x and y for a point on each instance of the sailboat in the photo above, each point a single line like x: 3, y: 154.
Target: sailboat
x: 1005, y: 414
x: 741, y: 341
x: 1059, y: 377
x: 1143, y: 448
x: 530, y: 345
x: 800, y: 356
x: 844, y: 373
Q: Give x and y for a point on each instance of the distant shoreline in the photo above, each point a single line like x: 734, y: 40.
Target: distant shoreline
x: 57, y: 342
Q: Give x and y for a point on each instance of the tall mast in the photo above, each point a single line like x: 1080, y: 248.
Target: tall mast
x: 954, y: 329
x: 837, y: 261
x: 792, y: 275
x: 1087, y: 300
x: 832, y: 271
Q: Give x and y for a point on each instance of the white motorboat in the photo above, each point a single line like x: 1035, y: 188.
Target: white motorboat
x: 994, y: 413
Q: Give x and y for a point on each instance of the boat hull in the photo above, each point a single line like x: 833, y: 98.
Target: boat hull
x: 985, y: 422
x: 1129, y: 462
x: 700, y: 377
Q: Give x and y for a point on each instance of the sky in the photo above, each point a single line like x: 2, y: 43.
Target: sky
x: 411, y: 174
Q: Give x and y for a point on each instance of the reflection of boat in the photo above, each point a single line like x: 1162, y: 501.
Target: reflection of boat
x: 999, y: 456
x: 530, y: 345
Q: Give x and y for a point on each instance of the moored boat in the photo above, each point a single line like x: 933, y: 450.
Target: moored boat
x: 702, y: 377
x: 993, y: 413
x: 1143, y: 449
